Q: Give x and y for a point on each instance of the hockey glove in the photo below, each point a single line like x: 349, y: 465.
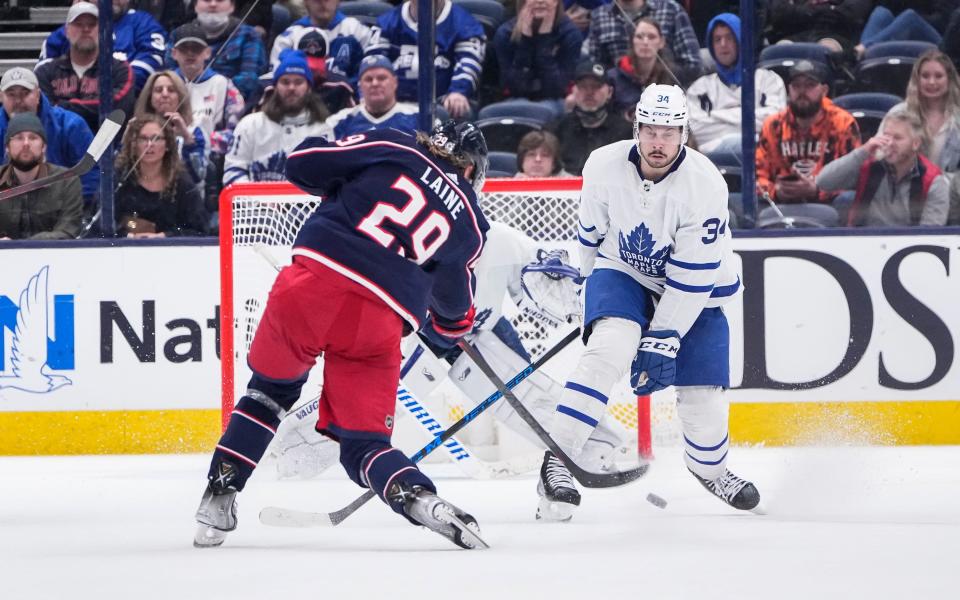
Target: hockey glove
x: 655, y: 366
x: 444, y: 333
x: 551, y: 288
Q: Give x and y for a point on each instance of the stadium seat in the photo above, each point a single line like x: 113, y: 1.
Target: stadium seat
x: 503, y: 162
x: 868, y: 108
x: 517, y: 109
x: 488, y: 12
x: 780, y: 57
x: 798, y: 216
x: 503, y: 133
x: 365, y: 11
x: 886, y: 66
x: 730, y: 166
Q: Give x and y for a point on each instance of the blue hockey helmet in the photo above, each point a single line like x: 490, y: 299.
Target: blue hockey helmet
x: 466, y: 141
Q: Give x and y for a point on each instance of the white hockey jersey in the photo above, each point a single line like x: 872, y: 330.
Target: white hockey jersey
x: 346, y: 39
x: 669, y: 235
x: 505, y: 252
x: 260, y: 146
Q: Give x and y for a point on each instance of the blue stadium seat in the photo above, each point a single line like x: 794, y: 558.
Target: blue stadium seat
x: 503, y: 162
x: 799, y: 216
x: 365, y: 11
x: 488, y: 12
x: 730, y: 166
x: 868, y: 108
x: 780, y: 57
x: 517, y: 109
x: 503, y: 133
x: 886, y: 66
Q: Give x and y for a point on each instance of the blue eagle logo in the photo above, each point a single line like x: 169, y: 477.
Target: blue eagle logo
x: 636, y: 249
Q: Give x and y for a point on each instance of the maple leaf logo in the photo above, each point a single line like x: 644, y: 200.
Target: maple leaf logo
x: 636, y: 249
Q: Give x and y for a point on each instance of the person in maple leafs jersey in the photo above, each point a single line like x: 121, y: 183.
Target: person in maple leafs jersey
x: 390, y: 251
x: 655, y: 245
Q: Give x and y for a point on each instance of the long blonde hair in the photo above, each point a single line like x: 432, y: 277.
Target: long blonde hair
x: 145, y: 107
x: 916, y: 104
x: 516, y: 34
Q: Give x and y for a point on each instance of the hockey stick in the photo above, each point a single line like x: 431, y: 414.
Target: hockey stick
x: 108, y: 130
x: 586, y: 478
x: 283, y: 517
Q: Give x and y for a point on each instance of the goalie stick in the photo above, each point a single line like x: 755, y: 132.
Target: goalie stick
x: 285, y: 517
x: 586, y: 478
x: 108, y: 130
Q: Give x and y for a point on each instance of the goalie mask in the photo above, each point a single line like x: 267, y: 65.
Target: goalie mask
x: 551, y: 288
x: 664, y: 105
x: 464, y: 140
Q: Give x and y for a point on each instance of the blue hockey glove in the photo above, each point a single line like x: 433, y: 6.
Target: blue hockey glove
x: 655, y: 366
x: 445, y: 333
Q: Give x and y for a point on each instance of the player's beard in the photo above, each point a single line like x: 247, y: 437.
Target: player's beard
x: 804, y: 110
x: 659, y: 159
x: 293, y: 106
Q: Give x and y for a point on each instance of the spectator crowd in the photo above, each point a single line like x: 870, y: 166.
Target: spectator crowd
x: 220, y: 91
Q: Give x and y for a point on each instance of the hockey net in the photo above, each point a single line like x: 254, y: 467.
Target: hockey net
x: 259, y: 222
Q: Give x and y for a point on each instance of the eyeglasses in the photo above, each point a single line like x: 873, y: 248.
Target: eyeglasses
x: 150, y: 139
x: 670, y: 135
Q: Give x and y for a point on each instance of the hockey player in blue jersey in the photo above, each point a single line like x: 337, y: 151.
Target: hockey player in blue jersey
x: 391, y: 250
x: 655, y: 244
x: 460, y: 47
x: 378, y: 108
x: 137, y: 39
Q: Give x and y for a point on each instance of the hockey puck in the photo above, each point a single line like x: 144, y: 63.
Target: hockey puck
x: 656, y: 500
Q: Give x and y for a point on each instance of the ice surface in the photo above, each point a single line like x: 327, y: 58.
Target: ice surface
x: 849, y: 523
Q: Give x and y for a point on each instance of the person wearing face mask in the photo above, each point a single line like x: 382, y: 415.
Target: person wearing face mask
x: 896, y: 185
x: 243, y: 59
x: 50, y: 213
x: 137, y: 39
x: 592, y: 123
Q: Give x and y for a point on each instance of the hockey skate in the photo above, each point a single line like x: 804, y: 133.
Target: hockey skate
x: 738, y: 493
x: 217, y: 514
x: 436, y: 514
x: 558, y: 493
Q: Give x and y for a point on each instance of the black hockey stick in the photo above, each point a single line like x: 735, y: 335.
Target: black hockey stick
x: 108, y: 130
x: 283, y: 517
x: 587, y: 478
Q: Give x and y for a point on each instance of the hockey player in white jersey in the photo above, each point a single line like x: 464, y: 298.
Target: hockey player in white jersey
x: 655, y: 246
x: 540, y: 283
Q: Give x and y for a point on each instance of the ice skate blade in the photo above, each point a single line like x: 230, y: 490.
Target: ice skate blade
x: 759, y: 509
x: 554, y: 512
x: 208, y: 537
x: 470, y: 539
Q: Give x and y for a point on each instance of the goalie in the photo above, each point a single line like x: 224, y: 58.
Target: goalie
x: 543, y: 285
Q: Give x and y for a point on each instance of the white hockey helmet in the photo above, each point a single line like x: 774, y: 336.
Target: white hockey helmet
x: 662, y: 105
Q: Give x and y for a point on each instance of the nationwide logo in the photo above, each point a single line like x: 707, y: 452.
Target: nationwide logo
x: 28, y: 325
x: 636, y: 249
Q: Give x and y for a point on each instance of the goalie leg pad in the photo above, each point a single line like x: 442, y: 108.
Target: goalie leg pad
x: 610, y: 348
x: 704, y: 413
x: 378, y: 465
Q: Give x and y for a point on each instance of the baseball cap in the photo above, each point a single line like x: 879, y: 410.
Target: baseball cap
x: 21, y: 122
x: 806, y: 68
x: 18, y: 76
x: 375, y: 62
x: 589, y: 68
x: 189, y: 33
x: 82, y: 8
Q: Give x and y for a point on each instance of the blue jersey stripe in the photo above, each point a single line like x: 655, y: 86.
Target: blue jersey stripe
x: 586, y: 391
x: 706, y: 462
x: 705, y: 448
x: 726, y: 290
x: 585, y: 228
x: 589, y: 243
x: 693, y: 266
x: 683, y: 287
x: 576, y: 414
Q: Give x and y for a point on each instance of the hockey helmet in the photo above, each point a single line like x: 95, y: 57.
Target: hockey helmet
x: 463, y: 140
x: 662, y: 105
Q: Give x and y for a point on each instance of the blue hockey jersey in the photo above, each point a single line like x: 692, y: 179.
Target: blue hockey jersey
x: 461, y: 45
x: 397, y: 220
x: 137, y: 39
x: 402, y: 116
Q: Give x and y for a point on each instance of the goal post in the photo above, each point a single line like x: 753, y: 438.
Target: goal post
x: 259, y: 222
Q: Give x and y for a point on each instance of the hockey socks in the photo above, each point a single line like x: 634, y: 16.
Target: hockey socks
x: 385, y: 468
x: 251, y: 429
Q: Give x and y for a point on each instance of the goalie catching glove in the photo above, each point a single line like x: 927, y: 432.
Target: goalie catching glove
x: 655, y: 366
x: 552, y: 286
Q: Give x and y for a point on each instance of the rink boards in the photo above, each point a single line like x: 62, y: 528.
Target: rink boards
x: 113, y: 348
